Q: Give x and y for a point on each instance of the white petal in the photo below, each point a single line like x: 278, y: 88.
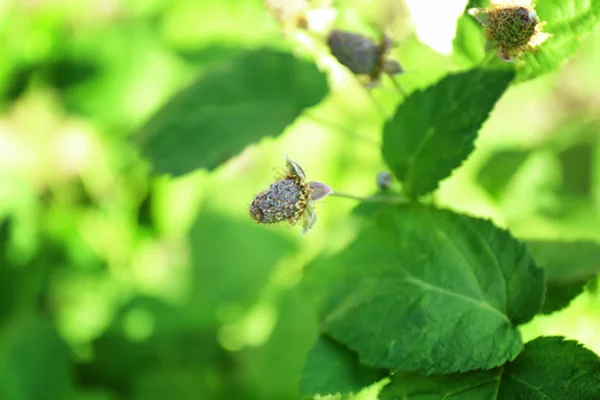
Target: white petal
x: 294, y: 167
x: 310, y: 221
x: 319, y: 190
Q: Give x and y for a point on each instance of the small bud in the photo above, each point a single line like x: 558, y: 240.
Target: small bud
x: 384, y: 180
x: 356, y: 52
x: 362, y: 55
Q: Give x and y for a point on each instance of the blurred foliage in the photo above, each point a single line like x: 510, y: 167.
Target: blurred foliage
x: 115, y: 285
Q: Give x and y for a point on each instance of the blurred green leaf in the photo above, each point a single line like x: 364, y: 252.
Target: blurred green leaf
x: 332, y: 368
x: 282, y: 358
x: 23, y: 282
x: 431, y: 291
x: 497, y: 172
x: 34, y: 362
x: 477, y: 3
x: 468, y: 44
x: 174, y: 343
x: 433, y: 131
x: 231, y: 262
x: 569, y: 267
x: 568, y: 21
x: 577, y: 162
x: 255, y: 95
x: 548, y: 368
x: 169, y: 383
x: 94, y: 395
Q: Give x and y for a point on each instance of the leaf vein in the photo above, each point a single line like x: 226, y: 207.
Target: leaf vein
x: 529, y: 385
x: 481, y: 304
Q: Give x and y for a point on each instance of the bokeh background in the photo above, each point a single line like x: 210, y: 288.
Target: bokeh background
x: 115, y: 284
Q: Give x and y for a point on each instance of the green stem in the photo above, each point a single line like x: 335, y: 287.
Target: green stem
x: 489, y: 57
x: 373, y: 199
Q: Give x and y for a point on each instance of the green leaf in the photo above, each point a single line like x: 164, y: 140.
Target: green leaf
x: 283, y: 356
x: 476, y: 4
x: 192, y: 351
x: 468, y: 44
x: 22, y: 281
x: 569, y: 267
x: 232, y: 261
x: 171, y: 383
x: 233, y: 105
x: 94, y: 394
x: 34, y: 362
x: 332, y: 368
x: 577, y: 163
x: 569, y: 21
x: 497, y: 172
x: 432, y: 291
x: 548, y: 368
x: 433, y: 131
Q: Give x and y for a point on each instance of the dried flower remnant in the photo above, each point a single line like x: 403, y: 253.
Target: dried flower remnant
x: 290, y: 199
x: 363, y: 56
x: 512, y: 27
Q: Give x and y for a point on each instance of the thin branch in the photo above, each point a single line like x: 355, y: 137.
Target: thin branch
x: 397, y: 199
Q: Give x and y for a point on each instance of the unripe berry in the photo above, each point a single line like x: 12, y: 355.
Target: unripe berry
x: 284, y: 200
x: 513, y: 28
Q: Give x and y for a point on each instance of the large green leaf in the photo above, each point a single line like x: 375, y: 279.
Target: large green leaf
x: 568, y: 21
x: 432, y: 291
x: 332, y: 368
x: 569, y: 265
x: 433, y: 131
x: 231, y: 106
x: 549, y: 368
